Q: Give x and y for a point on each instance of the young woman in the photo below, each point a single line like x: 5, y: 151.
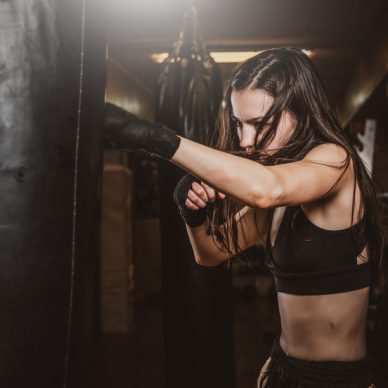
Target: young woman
x: 283, y: 173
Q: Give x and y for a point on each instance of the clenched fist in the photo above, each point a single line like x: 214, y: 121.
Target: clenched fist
x: 192, y: 196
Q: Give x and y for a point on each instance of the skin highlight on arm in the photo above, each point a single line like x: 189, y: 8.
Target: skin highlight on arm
x: 242, y: 179
x: 264, y: 186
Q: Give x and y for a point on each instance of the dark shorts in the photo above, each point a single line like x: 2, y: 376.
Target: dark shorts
x: 283, y: 371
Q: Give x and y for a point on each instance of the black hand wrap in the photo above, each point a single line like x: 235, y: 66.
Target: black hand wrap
x: 127, y: 131
x: 191, y: 217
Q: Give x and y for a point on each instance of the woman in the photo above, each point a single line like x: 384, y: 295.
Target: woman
x: 283, y: 173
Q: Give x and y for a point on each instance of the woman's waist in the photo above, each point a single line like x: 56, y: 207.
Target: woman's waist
x: 320, y: 345
x: 327, y: 371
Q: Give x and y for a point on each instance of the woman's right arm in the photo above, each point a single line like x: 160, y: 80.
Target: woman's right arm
x: 192, y: 197
x: 251, y: 229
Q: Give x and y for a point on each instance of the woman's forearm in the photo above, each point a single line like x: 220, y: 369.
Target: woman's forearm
x: 205, y: 250
x: 243, y: 179
x: 252, y: 228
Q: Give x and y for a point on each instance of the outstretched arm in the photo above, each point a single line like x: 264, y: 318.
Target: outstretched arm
x: 248, y: 181
x: 264, y: 186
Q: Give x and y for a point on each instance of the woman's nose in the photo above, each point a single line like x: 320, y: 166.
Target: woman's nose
x: 247, y: 137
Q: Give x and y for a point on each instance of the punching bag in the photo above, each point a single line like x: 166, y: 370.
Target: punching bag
x: 52, y: 68
x: 197, y: 299
x: 189, y: 88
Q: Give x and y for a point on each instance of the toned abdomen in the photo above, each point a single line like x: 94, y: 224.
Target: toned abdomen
x: 324, y: 327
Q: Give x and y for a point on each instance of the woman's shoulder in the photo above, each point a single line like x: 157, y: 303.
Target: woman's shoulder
x: 330, y: 152
x: 325, y: 211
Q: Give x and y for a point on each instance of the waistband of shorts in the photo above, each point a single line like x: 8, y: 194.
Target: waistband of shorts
x: 355, y: 371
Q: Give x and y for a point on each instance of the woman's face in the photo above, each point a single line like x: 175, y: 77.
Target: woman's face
x: 249, y: 106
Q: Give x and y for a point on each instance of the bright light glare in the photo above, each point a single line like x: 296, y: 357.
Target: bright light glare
x: 223, y: 57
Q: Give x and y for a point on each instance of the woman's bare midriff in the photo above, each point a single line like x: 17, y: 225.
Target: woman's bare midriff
x: 324, y: 327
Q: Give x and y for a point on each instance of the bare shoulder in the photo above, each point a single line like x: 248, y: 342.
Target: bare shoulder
x: 327, y: 152
x: 323, y: 172
x: 333, y: 212
x: 335, y: 158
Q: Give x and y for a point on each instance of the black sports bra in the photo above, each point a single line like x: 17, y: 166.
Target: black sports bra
x: 309, y: 260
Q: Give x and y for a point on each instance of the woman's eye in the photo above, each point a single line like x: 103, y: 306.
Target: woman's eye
x: 266, y: 125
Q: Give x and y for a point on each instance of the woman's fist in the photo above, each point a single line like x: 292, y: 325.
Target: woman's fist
x: 192, y: 196
x: 200, y: 194
x: 127, y: 131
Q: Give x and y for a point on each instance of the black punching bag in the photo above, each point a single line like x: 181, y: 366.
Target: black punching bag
x: 197, y: 299
x: 52, y: 69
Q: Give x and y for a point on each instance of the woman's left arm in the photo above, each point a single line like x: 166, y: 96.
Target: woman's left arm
x: 248, y: 181
x: 265, y: 186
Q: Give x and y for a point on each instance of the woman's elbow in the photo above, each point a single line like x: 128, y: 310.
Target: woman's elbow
x: 198, y: 259
x: 265, y: 198
x: 209, y: 261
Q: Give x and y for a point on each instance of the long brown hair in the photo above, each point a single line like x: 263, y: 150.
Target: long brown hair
x: 289, y: 76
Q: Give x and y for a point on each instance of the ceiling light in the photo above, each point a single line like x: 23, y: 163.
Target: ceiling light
x: 223, y: 56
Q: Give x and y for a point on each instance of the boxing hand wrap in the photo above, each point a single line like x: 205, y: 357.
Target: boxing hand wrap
x: 127, y: 131
x: 192, y: 218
